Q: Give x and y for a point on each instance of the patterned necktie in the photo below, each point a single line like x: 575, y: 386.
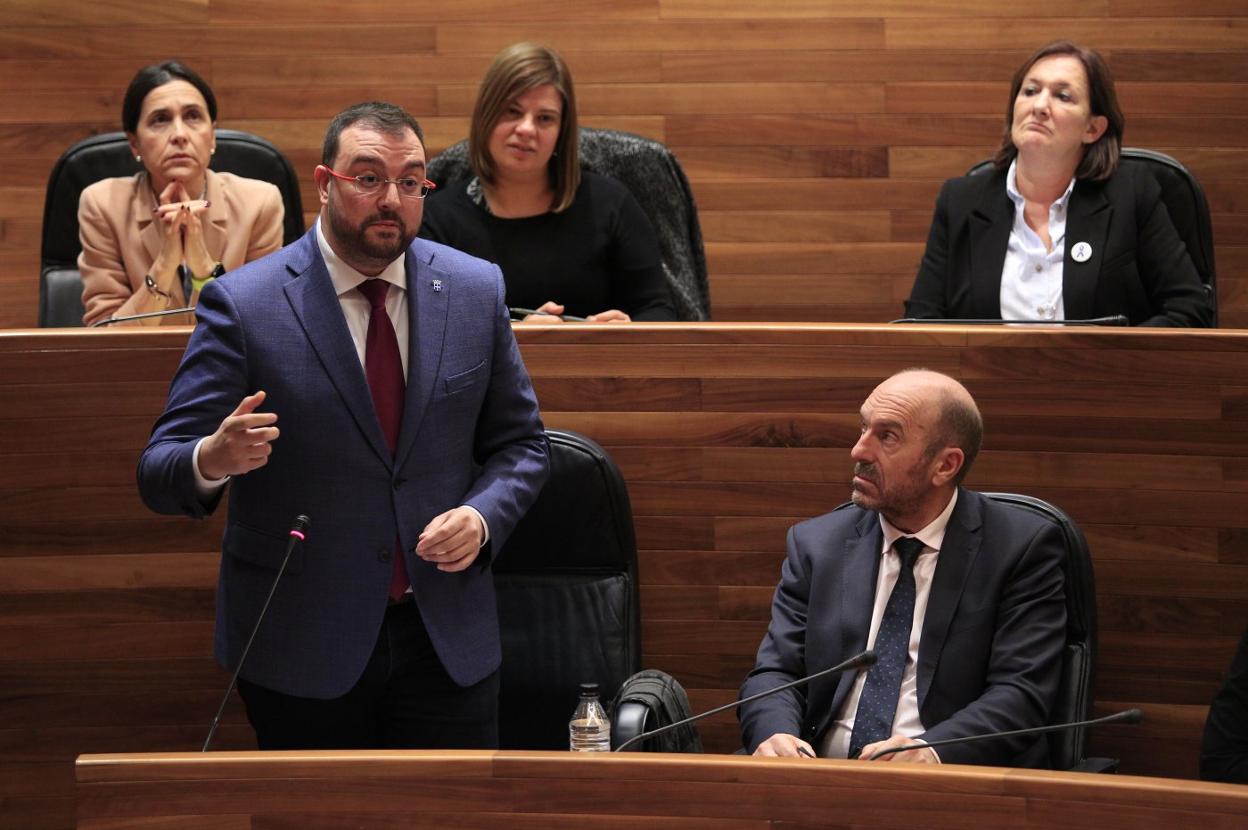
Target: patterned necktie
x: 878, y: 704
x: 384, y: 367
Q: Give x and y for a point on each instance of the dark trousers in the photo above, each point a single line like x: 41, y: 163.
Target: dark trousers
x: 404, y: 700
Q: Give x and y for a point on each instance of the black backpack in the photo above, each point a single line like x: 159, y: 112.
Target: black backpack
x: 648, y: 700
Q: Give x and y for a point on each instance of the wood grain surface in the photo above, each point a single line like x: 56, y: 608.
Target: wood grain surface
x: 815, y: 132
x: 325, y: 790
x: 726, y: 435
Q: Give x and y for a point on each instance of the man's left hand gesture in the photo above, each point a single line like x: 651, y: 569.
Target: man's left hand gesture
x: 452, y: 540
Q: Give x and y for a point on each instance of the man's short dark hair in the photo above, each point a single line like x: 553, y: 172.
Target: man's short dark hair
x: 378, y: 115
x: 957, y: 425
x: 159, y: 74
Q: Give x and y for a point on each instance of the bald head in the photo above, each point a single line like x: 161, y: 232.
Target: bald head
x: 920, y: 431
x: 948, y: 412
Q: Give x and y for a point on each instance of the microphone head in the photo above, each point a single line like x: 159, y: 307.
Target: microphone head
x: 301, y: 524
x: 867, y: 658
x: 1131, y: 716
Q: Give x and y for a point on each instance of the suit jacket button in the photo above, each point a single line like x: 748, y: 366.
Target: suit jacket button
x: 384, y: 554
x: 399, y: 482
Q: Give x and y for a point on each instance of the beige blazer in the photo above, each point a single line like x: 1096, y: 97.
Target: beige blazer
x: 120, y: 240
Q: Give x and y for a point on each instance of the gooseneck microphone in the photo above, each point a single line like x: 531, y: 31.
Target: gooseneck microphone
x: 855, y: 663
x: 298, y: 532
x: 1111, y: 320
x: 1131, y: 716
x: 126, y: 318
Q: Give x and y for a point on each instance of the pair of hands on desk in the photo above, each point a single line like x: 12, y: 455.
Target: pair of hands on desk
x: 781, y: 745
x: 548, y: 314
x: 243, y: 442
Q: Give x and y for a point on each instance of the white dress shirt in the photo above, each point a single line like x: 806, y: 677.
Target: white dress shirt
x: 906, y: 720
x: 355, y: 306
x: 1031, y: 278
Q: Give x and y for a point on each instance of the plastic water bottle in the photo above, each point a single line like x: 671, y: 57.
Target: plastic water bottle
x: 589, y: 729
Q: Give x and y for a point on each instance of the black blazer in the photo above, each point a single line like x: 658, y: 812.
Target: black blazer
x: 1139, y: 266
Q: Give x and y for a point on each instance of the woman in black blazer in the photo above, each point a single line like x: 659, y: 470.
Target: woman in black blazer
x: 1058, y: 231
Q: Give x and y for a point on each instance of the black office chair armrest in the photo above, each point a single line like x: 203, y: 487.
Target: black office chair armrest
x: 60, y: 298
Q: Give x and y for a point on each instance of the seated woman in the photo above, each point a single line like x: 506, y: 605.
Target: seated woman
x: 568, y: 241
x: 1058, y: 231
x: 142, y: 234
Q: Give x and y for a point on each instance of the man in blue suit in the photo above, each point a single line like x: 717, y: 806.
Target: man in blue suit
x: 960, y: 596
x: 409, y: 434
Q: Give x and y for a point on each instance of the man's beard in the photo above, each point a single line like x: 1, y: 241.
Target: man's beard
x: 354, y: 238
x: 900, y: 499
x: 869, y: 473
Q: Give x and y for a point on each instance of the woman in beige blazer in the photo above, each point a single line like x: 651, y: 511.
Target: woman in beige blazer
x: 141, y: 234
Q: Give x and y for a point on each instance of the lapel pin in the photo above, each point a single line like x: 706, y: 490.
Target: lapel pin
x: 1082, y: 252
x: 437, y: 285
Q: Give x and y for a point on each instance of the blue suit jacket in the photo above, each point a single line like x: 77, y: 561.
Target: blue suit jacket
x: 989, y: 654
x: 471, y: 434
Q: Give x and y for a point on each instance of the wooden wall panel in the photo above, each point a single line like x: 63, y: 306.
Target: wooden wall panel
x: 814, y: 104
x: 726, y: 436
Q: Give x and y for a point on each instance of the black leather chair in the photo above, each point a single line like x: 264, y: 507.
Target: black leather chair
x: 1185, y: 201
x: 567, y: 596
x: 654, y: 177
x: 103, y: 156
x: 1067, y: 749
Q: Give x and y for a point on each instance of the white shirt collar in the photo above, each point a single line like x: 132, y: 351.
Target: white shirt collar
x: 1011, y: 188
x: 345, y: 278
x: 933, y: 535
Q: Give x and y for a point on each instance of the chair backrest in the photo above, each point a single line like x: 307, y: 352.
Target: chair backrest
x: 654, y: 177
x: 1185, y: 202
x: 107, y: 155
x: 568, y: 602
x: 1074, y: 691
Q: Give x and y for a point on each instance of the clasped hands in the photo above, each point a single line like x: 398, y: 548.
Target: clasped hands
x: 781, y: 745
x: 243, y: 442
x: 183, y: 236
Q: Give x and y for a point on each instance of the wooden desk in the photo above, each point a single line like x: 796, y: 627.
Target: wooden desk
x: 378, y: 790
x: 726, y: 435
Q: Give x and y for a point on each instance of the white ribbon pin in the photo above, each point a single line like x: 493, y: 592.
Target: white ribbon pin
x: 437, y: 284
x: 1082, y: 252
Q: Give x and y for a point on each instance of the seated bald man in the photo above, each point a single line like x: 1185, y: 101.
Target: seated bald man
x: 960, y: 596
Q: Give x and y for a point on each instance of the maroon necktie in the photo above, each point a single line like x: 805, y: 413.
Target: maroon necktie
x: 384, y: 367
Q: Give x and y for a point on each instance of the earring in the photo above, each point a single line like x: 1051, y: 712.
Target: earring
x: 213, y: 151
x: 138, y: 158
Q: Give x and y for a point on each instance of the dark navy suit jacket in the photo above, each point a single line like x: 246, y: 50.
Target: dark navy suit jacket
x: 989, y: 654
x: 1139, y: 266
x: 471, y: 434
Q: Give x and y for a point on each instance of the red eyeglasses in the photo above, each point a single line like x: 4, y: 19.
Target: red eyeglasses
x: 370, y: 183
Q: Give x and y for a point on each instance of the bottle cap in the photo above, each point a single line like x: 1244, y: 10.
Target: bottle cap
x: 589, y: 689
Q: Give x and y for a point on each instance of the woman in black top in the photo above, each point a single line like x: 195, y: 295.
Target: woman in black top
x: 568, y: 241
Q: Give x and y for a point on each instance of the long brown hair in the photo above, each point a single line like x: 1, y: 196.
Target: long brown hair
x: 514, y: 71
